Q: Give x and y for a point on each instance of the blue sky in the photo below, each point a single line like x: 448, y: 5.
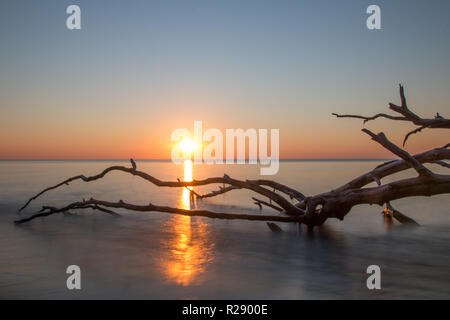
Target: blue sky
x: 144, y: 68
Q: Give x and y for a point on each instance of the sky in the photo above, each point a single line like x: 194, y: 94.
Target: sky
x: 139, y: 69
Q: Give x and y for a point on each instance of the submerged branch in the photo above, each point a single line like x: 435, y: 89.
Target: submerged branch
x: 91, y: 203
x: 400, y: 217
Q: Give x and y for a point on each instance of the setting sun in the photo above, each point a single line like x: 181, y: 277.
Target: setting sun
x: 187, y: 145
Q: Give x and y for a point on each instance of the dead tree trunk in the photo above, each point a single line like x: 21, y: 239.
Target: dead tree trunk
x: 291, y: 204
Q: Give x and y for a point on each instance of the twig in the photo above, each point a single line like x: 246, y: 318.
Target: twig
x: 261, y: 202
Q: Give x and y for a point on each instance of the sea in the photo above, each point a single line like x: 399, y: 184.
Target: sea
x: 153, y: 255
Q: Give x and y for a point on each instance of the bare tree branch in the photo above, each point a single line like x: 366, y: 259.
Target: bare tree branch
x: 281, y: 201
x: 394, y: 166
x: 381, y: 139
x: 292, y: 193
x: 93, y: 203
x: 413, y: 132
x: 366, y: 119
x: 442, y: 163
x: 407, y: 115
x: 262, y: 202
x: 312, y: 210
x: 400, y: 217
x: 214, y: 193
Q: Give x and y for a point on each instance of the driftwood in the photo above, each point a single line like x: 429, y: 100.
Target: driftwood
x: 407, y: 115
x: 292, y: 205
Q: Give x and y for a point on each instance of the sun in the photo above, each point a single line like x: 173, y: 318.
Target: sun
x: 187, y: 145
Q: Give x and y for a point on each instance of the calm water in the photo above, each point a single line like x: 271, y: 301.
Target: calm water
x: 157, y: 255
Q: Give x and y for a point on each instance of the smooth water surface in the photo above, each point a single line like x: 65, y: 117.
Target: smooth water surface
x: 162, y: 256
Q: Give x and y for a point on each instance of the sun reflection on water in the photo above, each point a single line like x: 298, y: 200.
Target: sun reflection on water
x: 186, y: 200
x: 190, y: 248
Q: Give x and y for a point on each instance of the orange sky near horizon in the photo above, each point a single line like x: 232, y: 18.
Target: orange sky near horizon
x: 38, y: 128
x: 343, y: 140
x: 118, y: 87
